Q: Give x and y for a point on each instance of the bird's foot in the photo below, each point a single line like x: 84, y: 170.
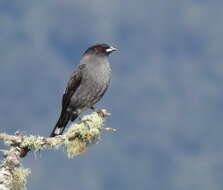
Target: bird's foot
x: 103, y: 112
x: 85, y: 121
x: 79, y: 118
x: 94, y: 109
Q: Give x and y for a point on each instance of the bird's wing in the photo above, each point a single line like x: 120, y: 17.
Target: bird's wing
x: 72, y: 86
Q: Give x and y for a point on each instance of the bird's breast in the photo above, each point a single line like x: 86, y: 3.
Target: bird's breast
x: 94, y: 83
x: 98, y: 73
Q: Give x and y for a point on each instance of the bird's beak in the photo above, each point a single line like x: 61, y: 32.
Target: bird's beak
x: 111, y: 49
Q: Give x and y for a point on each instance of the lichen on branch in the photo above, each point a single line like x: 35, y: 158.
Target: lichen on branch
x: 75, y: 141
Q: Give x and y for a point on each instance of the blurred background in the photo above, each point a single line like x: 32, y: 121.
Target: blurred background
x: 165, y: 96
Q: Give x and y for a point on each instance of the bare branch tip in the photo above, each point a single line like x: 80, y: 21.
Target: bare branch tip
x: 109, y: 129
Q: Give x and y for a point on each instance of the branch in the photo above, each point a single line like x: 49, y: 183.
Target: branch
x: 75, y: 141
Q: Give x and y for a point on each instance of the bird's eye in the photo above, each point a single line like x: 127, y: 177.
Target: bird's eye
x: 98, y: 49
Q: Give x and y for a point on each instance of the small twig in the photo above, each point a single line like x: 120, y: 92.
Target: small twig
x: 108, y: 129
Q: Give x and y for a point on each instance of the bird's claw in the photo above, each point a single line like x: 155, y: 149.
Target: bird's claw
x: 79, y: 118
x: 103, y: 112
x: 85, y: 121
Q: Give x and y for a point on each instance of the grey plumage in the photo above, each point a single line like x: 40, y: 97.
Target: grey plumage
x: 86, y: 86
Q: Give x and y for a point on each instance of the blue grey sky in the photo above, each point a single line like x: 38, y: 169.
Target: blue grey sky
x: 165, y: 95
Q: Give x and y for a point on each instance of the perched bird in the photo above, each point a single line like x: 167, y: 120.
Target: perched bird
x: 86, y: 86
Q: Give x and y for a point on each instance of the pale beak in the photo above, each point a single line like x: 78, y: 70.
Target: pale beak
x: 111, y: 49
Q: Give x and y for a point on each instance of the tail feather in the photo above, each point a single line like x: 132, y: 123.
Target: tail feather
x: 60, y: 125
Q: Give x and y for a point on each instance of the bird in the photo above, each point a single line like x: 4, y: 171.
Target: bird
x: 86, y: 86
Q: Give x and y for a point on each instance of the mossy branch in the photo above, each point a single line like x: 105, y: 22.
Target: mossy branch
x: 75, y: 140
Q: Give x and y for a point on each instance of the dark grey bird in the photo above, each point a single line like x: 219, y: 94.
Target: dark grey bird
x: 87, y: 85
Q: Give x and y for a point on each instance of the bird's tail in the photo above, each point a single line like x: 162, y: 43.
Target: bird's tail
x: 61, y: 124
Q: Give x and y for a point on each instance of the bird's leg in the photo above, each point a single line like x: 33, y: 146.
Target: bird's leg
x: 79, y: 118
x: 86, y: 123
x: 94, y: 109
x: 101, y: 112
x: 75, y: 115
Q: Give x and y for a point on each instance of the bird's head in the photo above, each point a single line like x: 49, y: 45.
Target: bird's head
x: 100, y: 49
